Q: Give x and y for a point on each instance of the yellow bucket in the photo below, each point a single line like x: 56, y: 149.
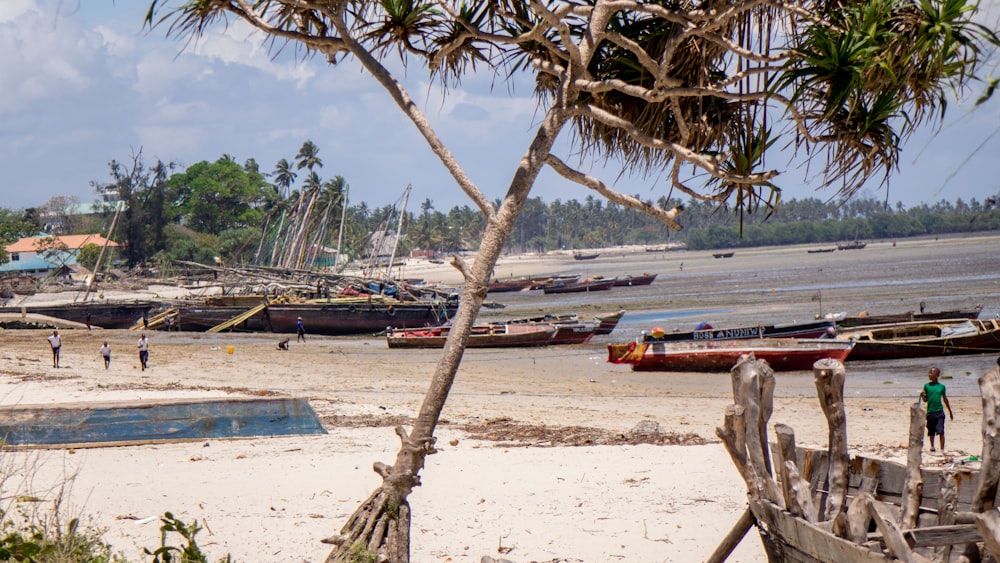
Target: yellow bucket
x: 229, y: 349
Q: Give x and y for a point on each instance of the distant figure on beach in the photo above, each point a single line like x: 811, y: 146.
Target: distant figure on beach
x: 935, y: 395
x: 143, y: 346
x: 88, y: 322
x: 106, y: 354
x: 283, y: 345
x: 55, y: 342
x: 682, y: 266
x: 145, y: 321
x: 300, y: 331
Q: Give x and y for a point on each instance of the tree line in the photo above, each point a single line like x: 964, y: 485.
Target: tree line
x: 225, y: 212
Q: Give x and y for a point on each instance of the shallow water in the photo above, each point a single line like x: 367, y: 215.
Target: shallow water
x: 786, y: 284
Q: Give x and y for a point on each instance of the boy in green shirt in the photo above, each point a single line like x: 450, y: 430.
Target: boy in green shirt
x: 934, y: 394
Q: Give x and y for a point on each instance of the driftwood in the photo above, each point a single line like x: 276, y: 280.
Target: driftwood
x: 913, y: 488
x: 829, y: 378
x: 747, y: 393
x: 946, y: 511
x: 989, y: 469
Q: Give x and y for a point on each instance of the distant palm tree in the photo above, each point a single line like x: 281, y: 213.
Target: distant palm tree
x: 284, y: 176
x: 307, y: 156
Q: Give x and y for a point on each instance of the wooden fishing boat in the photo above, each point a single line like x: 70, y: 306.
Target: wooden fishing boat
x: 828, y: 506
x: 483, y: 336
x: 167, y: 420
x: 604, y: 323
x: 908, y: 316
x: 585, y: 256
x: 500, y: 286
x: 854, y: 245
x: 628, y: 280
x: 821, y: 250
x: 103, y: 314
x: 580, y: 287
x: 549, y: 281
x: 783, y: 354
x: 813, y: 329
x: 608, y: 321
x: 354, y: 316
x: 924, y: 339
x: 724, y: 254
x: 570, y: 329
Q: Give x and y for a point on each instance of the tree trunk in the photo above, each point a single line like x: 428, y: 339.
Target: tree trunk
x: 365, y: 529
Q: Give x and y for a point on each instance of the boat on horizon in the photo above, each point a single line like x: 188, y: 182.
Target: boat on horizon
x: 782, y: 354
x: 585, y: 256
x: 724, y: 254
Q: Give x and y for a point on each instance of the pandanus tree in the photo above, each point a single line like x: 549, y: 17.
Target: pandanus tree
x: 697, y: 92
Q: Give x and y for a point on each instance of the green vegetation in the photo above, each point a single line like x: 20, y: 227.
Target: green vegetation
x: 219, y: 212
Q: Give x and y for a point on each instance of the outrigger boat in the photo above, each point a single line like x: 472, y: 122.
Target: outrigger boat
x: 484, y: 336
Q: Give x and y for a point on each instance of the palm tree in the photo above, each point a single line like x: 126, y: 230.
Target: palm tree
x: 307, y: 157
x: 694, y: 91
x: 284, y: 176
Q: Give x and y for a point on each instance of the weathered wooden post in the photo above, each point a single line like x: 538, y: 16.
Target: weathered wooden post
x: 829, y: 377
x: 913, y: 486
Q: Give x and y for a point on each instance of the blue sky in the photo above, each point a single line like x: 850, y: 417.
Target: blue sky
x: 83, y: 84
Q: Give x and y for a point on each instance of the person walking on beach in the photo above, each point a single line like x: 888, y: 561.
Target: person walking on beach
x: 143, y: 346
x: 55, y: 342
x: 300, y: 331
x: 937, y: 399
x: 106, y: 354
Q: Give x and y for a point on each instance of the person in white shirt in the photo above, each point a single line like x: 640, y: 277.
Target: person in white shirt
x: 55, y: 342
x: 106, y: 354
x: 143, y: 346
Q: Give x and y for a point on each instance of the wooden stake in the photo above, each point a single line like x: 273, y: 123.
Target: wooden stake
x: 913, y: 486
x: 989, y: 462
x: 733, y: 538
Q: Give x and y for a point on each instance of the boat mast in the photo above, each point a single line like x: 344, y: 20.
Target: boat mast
x: 399, y: 230
x: 340, y: 233
x: 107, y: 241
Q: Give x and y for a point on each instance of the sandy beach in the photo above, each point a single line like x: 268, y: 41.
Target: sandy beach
x: 504, y: 483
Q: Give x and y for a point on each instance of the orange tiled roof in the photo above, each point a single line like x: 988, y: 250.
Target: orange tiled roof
x: 73, y: 242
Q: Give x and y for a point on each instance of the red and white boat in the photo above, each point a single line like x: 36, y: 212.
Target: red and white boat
x: 782, y: 354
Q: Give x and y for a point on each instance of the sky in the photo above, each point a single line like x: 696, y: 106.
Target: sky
x: 82, y: 83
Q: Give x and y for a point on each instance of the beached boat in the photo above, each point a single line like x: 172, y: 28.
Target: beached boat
x: 783, y: 354
x: 353, y: 316
x: 628, y: 280
x: 517, y: 284
x: 103, y: 314
x: 571, y: 330
x: 813, y: 329
x: 812, y: 506
x: 608, y: 321
x: 852, y: 321
x: 585, y: 256
x: 549, y: 281
x: 924, y: 339
x: 580, y: 287
x: 855, y: 245
x: 482, y: 336
x: 724, y: 254
x: 820, y: 250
